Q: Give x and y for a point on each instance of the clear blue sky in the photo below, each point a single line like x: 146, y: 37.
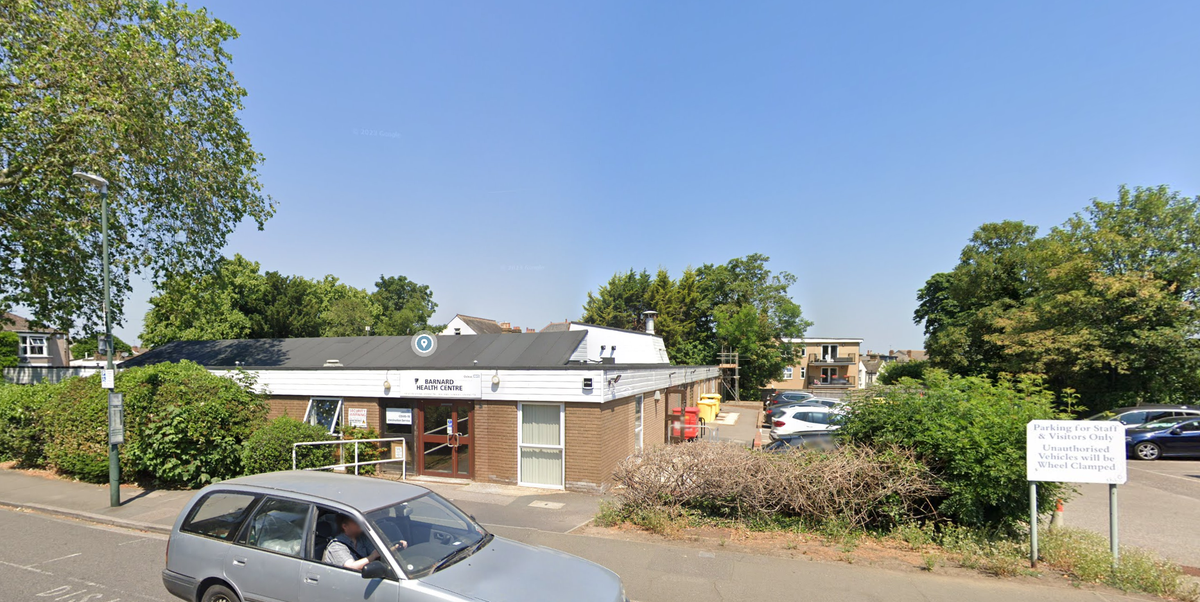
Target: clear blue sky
x: 514, y: 155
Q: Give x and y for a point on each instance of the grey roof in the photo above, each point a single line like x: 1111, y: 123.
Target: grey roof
x: 481, y: 325
x: 15, y: 323
x: 557, y: 327
x: 364, y: 493
x: 507, y: 351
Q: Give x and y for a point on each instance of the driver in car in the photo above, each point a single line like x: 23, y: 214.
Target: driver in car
x: 351, y: 548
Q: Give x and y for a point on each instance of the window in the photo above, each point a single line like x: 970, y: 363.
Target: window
x: 32, y: 345
x: 1133, y: 418
x: 278, y: 526
x: 540, y: 444
x: 828, y: 375
x: 787, y: 373
x: 457, y: 331
x: 829, y: 352
x: 638, y: 402
x: 433, y: 529
x: 219, y: 515
x: 802, y: 371
x: 1190, y: 427
x: 324, y: 411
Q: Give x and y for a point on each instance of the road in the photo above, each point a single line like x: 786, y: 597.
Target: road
x: 47, y: 559
x: 1158, y: 508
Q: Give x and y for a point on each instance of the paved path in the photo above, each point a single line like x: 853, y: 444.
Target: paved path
x: 745, y: 429
x: 1159, y: 509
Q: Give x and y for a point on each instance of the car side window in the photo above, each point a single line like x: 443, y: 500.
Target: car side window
x: 220, y: 514
x: 1190, y: 427
x: 279, y: 526
x: 1152, y: 416
x: 1133, y: 418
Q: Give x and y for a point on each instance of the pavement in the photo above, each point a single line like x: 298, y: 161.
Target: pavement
x: 1157, y: 508
x: 741, y: 423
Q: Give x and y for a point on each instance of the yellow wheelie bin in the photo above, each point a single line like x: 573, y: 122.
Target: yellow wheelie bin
x: 710, y: 406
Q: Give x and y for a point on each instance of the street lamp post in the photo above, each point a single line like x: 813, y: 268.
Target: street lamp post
x: 114, y: 461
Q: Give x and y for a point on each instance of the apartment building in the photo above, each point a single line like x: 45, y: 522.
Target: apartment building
x: 823, y: 366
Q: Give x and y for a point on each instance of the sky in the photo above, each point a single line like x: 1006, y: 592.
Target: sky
x: 514, y: 155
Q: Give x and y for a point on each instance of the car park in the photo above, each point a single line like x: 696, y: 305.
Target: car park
x: 1164, y: 438
x: 262, y: 538
x: 781, y: 397
x: 817, y: 440
x: 1135, y: 415
x: 804, y: 419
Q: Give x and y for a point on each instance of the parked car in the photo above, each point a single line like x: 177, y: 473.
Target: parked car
x: 820, y: 440
x: 1133, y: 416
x: 1164, y: 438
x: 804, y: 418
x: 788, y: 397
x: 263, y: 537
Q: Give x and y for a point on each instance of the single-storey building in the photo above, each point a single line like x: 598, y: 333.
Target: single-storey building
x: 541, y: 409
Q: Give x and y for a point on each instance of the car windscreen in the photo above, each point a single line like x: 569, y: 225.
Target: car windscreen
x: 435, y: 533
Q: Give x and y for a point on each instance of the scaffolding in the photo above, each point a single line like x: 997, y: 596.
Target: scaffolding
x: 728, y: 362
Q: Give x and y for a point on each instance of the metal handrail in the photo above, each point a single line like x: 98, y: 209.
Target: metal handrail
x: 342, y: 442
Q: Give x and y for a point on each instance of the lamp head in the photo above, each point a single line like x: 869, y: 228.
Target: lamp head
x: 92, y: 179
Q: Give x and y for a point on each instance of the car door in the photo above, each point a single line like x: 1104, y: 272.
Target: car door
x: 321, y: 582
x: 1187, y: 442
x: 265, y: 562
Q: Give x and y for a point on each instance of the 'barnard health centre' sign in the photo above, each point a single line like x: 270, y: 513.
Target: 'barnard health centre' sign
x: 1076, y: 451
x: 438, y: 383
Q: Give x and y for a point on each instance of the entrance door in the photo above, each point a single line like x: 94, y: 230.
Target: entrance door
x: 446, y: 438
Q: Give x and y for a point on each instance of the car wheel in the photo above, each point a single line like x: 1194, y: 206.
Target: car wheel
x: 1147, y: 451
x: 219, y: 593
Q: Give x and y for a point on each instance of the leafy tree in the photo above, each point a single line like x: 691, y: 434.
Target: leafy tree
x: 348, y: 317
x: 1105, y: 305
x: 405, y: 306
x: 88, y: 345
x: 287, y: 308
x: 140, y: 92
x: 892, y: 372
x: 205, y: 307
x: 740, y: 304
x: 9, y: 348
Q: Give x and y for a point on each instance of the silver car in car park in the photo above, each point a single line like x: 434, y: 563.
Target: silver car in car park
x: 261, y: 539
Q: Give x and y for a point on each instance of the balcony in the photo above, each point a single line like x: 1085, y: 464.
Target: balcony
x: 829, y: 360
x: 833, y: 382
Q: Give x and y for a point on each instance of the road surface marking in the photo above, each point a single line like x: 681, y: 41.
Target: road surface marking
x: 53, y: 560
x: 547, y: 505
x: 25, y: 568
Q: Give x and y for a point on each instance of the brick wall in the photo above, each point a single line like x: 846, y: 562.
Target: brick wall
x: 496, y: 441
x: 296, y: 406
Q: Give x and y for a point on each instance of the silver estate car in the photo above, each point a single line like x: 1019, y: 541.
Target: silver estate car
x: 261, y: 539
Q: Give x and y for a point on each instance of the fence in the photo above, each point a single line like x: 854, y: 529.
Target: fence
x: 32, y: 375
x: 355, y: 464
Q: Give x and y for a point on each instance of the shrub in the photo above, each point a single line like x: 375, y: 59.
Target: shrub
x: 367, y: 452
x: 9, y: 342
x: 183, y: 425
x: 856, y: 486
x: 21, y: 431
x: 892, y: 372
x: 270, y: 448
x: 969, y: 431
x: 188, y: 424
x: 1086, y: 556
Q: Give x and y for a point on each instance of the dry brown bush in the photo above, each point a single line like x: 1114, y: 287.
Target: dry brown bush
x: 854, y: 486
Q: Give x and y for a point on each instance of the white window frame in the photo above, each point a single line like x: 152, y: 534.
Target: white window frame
x: 829, y: 374
x: 337, y: 416
x: 458, y: 331
x: 561, y: 447
x: 639, y: 421
x: 787, y: 373
x: 802, y: 373
x: 829, y: 351
x: 26, y: 343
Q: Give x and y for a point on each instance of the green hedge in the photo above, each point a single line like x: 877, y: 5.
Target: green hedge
x: 22, y: 435
x: 969, y: 432
x: 9, y: 344
x: 270, y: 448
x: 184, y: 426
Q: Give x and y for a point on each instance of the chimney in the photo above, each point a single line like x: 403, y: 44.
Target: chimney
x: 529, y: 331
x: 650, y: 320
x: 506, y: 326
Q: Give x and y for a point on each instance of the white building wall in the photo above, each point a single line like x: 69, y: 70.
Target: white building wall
x: 631, y: 347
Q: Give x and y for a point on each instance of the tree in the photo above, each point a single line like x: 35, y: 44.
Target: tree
x: 88, y: 345
x: 892, y: 372
x: 141, y: 93
x: 204, y: 307
x: 405, y: 306
x: 9, y: 343
x: 740, y: 304
x: 349, y: 317
x: 287, y: 308
x: 1105, y: 305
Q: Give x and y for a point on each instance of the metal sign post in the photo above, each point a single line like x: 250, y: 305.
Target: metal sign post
x: 1074, y: 451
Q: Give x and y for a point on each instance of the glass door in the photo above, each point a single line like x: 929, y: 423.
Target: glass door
x: 446, y: 438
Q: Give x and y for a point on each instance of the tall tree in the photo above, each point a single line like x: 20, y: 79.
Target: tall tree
x: 405, y: 306
x: 140, y: 92
x: 741, y: 305
x: 1104, y: 305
